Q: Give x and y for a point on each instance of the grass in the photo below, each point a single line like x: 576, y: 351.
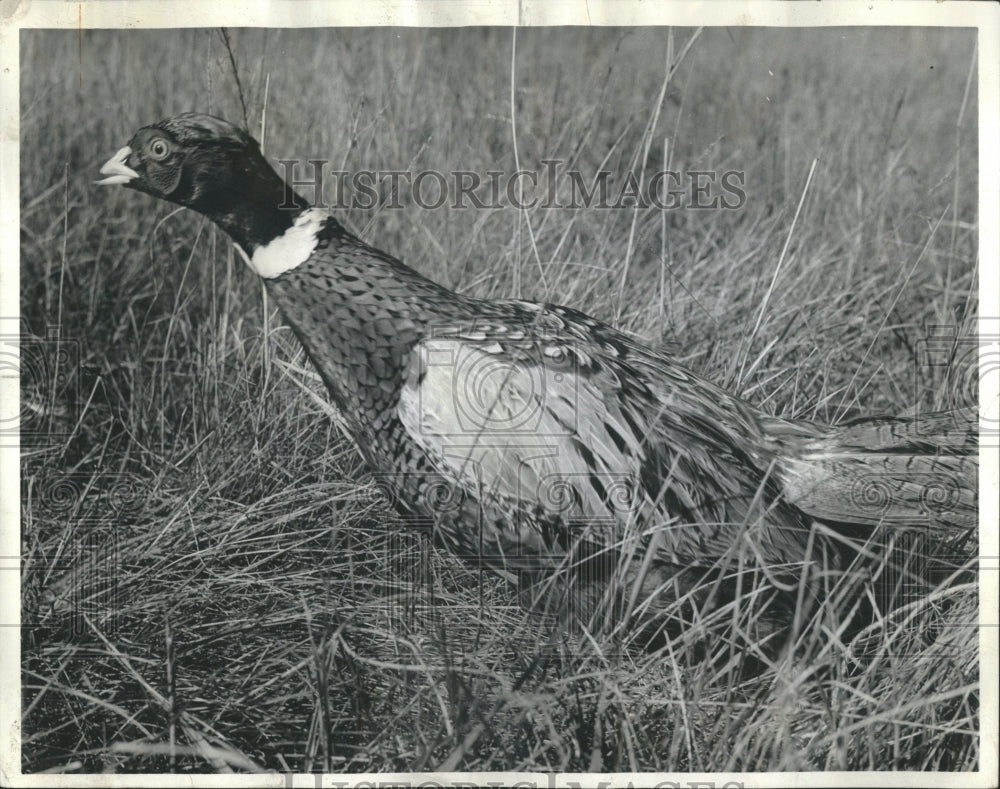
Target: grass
x: 209, y: 582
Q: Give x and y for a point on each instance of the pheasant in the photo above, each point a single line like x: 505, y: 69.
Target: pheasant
x: 609, y: 481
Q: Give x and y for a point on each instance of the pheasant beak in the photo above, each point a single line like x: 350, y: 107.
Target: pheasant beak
x: 117, y: 171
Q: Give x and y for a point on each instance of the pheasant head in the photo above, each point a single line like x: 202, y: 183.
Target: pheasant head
x: 212, y: 166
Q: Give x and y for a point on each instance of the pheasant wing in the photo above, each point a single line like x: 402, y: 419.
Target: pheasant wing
x: 530, y: 423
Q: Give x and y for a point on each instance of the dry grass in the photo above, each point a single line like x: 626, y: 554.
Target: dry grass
x: 210, y: 584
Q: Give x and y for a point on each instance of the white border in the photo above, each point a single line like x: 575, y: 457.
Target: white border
x: 442, y: 13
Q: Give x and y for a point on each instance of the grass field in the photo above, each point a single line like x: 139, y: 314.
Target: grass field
x: 208, y: 580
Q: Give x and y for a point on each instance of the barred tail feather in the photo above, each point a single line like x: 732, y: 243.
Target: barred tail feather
x: 906, y: 471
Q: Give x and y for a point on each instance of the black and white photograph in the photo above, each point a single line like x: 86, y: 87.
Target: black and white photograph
x: 604, y: 397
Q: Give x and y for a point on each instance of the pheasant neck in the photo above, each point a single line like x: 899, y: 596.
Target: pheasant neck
x: 255, y: 209
x: 358, y: 314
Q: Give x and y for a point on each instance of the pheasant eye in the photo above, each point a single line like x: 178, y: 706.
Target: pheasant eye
x: 158, y: 149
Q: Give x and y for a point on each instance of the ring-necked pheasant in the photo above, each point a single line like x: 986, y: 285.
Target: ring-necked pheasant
x: 543, y: 443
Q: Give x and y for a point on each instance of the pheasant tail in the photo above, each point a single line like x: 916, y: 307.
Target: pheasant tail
x: 908, y: 471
